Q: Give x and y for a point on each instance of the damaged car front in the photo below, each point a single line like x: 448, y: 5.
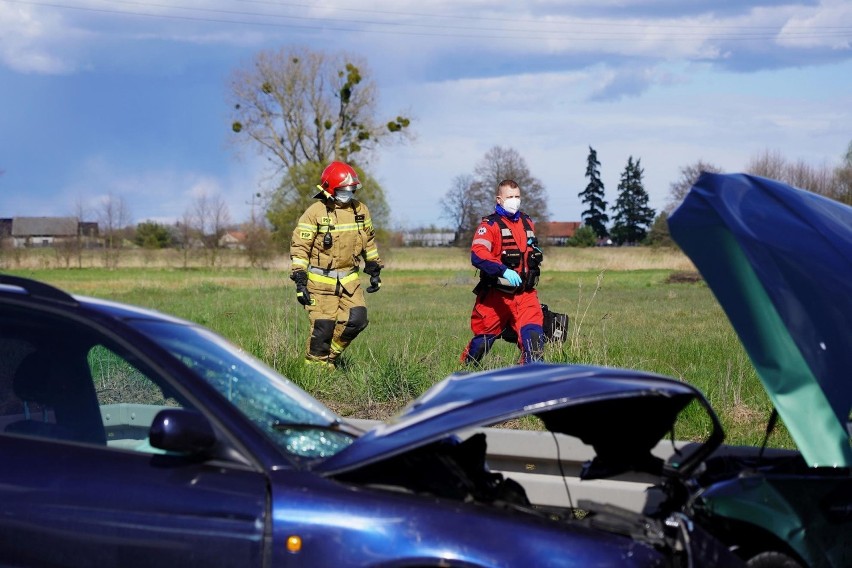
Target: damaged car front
x: 412, y: 454
x: 779, y: 261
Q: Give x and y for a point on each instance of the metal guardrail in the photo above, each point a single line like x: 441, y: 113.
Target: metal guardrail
x: 548, y: 467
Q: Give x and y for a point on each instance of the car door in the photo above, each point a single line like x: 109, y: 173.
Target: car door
x: 79, y: 483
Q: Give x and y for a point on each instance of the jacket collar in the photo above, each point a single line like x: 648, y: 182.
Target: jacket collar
x: 500, y: 211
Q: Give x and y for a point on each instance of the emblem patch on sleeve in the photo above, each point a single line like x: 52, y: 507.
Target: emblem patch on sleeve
x: 481, y: 231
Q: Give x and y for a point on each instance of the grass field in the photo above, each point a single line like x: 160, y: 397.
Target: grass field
x: 625, y: 309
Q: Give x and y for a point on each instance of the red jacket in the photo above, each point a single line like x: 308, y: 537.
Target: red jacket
x: 500, y: 243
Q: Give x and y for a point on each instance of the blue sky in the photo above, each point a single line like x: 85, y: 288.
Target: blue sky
x: 129, y: 98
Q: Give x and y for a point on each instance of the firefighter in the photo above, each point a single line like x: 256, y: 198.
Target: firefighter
x: 328, y: 240
x: 505, y: 251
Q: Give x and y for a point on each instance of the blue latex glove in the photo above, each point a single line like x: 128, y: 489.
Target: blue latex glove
x: 512, y: 276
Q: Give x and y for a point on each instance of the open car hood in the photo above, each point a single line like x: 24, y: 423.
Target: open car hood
x: 779, y: 261
x: 622, y: 413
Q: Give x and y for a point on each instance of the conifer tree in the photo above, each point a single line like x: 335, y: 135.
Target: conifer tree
x: 593, y: 196
x: 633, y: 217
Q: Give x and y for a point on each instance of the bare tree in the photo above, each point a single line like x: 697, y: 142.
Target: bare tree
x: 471, y: 197
x: 184, y: 235
x: 817, y: 179
x: 461, y: 207
x: 843, y: 175
x: 211, y: 217
x: 299, y: 105
x: 823, y: 179
x: 113, y: 216
x: 65, y: 249
x: 258, y: 244
x: 768, y: 164
x: 499, y: 164
x: 688, y: 176
x: 81, y: 212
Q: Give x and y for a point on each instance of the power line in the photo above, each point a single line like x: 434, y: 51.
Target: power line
x: 536, y: 22
x: 447, y: 31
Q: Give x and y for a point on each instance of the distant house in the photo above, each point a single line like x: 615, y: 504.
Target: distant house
x: 557, y: 233
x: 5, y: 228
x: 428, y: 238
x: 43, y: 231
x: 233, y: 240
x: 46, y: 231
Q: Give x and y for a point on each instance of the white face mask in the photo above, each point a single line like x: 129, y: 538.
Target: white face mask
x: 512, y: 204
x: 343, y: 195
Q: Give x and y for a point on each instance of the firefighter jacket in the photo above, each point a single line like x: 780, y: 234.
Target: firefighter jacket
x: 329, y: 241
x: 500, y: 243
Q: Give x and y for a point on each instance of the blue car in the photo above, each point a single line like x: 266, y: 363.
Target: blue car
x: 132, y: 438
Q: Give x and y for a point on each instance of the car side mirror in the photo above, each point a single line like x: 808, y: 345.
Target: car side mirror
x: 181, y: 430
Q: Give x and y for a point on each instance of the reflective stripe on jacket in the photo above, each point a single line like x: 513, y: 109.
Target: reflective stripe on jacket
x: 496, y: 239
x: 350, y: 237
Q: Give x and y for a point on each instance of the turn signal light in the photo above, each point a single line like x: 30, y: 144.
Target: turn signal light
x: 294, y: 543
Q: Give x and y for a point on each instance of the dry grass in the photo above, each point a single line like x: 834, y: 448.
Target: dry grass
x: 48, y: 259
x: 559, y: 259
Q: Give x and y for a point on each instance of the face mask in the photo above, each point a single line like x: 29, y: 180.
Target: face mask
x: 511, y: 205
x: 343, y: 195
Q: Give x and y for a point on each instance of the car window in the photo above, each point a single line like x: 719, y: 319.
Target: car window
x: 59, y: 380
x: 294, y: 420
x: 128, y: 399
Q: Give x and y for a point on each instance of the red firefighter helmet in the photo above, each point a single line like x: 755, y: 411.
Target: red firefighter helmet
x: 336, y: 175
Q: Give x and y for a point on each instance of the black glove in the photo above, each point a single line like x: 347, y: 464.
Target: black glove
x: 300, y: 277
x: 373, y: 269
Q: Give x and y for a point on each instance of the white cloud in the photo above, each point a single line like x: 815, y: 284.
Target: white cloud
x: 827, y: 25
x: 646, y: 79
x: 49, y: 39
x: 28, y: 37
x: 724, y: 119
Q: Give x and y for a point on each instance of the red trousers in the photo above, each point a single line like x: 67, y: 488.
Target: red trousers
x: 494, y: 311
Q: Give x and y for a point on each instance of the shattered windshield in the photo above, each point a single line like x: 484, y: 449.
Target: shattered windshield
x: 298, y: 423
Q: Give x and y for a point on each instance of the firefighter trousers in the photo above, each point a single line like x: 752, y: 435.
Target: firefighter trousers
x: 336, y: 318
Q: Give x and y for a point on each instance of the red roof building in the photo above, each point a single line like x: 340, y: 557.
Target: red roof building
x: 557, y: 233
